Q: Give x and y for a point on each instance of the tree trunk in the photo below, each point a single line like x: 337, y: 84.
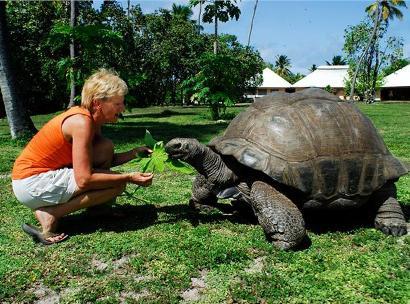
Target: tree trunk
x: 253, y: 17
x: 374, y: 33
x: 199, y: 17
x: 216, y: 34
x: 72, y: 55
x: 374, y: 78
x: 173, y: 91
x: 214, y: 111
x: 17, y: 116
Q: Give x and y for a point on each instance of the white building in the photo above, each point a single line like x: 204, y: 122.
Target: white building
x: 397, y: 85
x: 325, y: 75
x: 272, y: 82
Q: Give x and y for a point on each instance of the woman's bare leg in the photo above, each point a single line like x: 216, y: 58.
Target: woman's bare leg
x: 103, y: 153
x: 49, y: 216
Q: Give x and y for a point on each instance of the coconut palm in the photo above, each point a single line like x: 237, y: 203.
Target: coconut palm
x: 17, y: 117
x: 336, y: 60
x: 282, y: 66
x: 182, y: 11
x: 253, y: 17
x: 380, y: 11
x: 218, y: 10
x: 199, y: 16
x: 313, y: 68
x: 388, y: 9
x: 72, y: 53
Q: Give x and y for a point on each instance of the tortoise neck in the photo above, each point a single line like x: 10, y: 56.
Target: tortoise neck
x: 210, y: 164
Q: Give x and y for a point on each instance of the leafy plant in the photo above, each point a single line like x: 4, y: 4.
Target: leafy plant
x: 367, y: 56
x: 159, y: 161
x: 328, y: 88
x: 223, y: 79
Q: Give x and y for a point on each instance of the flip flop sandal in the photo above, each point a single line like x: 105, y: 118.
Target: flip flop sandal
x: 39, y: 236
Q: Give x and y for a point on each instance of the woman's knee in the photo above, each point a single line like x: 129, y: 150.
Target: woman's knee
x: 103, y: 152
x: 120, y: 189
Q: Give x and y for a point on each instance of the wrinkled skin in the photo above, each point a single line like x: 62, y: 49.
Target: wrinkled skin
x: 280, y: 218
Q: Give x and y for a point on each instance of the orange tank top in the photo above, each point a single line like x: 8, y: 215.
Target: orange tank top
x: 48, y: 150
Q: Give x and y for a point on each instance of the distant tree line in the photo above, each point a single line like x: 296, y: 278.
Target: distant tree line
x: 369, y: 51
x: 156, y: 54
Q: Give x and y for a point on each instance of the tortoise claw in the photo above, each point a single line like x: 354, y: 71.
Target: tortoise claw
x: 397, y: 228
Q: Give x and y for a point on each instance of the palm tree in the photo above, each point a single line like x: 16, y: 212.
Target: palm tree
x: 182, y: 11
x: 380, y: 11
x: 282, y: 65
x: 199, y: 16
x: 193, y: 3
x: 253, y: 17
x: 72, y: 54
x: 336, y: 60
x: 313, y: 68
x: 389, y: 9
x: 17, y: 117
x: 218, y: 10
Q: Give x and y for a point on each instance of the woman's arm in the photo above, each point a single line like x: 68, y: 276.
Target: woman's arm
x: 80, y: 129
x: 124, y: 157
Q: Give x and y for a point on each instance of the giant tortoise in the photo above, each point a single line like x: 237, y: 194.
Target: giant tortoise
x: 290, y: 151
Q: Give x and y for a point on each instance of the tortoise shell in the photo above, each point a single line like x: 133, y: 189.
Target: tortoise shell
x: 312, y: 141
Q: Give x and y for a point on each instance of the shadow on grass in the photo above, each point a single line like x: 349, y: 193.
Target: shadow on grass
x: 133, y: 218
x: 319, y: 221
x: 222, y: 212
x: 127, y: 132
x: 324, y: 221
x: 162, y: 114
x: 139, y: 217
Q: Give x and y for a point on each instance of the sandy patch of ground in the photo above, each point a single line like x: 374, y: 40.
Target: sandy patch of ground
x: 198, y: 285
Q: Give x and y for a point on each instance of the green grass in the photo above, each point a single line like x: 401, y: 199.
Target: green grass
x: 155, y: 254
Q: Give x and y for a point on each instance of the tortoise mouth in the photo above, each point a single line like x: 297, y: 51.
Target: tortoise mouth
x: 182, y: 148
x: 176, y: 155
x: 173, y: 150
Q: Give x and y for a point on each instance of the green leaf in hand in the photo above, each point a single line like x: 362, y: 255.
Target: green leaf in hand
x: 149, y: 140
x: 159, y: 145
x: 158, y: 161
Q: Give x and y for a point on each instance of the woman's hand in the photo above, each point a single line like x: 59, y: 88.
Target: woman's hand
x: 124, y: 157
x: 141, y: 179
x: 142, y: 151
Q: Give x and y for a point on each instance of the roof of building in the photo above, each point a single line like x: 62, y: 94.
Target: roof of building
x: 400, y: 78
x: 273, y: 80
x: 324, y: 75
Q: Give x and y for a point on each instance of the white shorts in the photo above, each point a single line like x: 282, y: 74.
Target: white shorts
x: 46, y: 189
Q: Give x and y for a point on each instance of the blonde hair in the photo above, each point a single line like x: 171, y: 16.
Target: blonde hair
x: 102, y: 85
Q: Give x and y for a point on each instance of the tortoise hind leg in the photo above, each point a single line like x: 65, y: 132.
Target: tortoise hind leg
x: 389, y: 217
x: 279, y: 217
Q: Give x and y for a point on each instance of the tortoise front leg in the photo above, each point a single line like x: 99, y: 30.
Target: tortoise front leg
x: 389, y: 217
x: 203, y: 193
x: 279, y: 217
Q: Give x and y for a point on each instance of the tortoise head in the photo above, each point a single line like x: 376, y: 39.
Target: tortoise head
x: 186, y: 149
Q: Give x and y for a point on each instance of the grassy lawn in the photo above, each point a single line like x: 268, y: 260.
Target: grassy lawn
x: 163, y: 253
